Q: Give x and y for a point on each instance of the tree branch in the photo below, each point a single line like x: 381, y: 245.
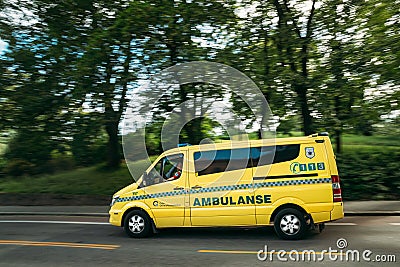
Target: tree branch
x: 309, y: 21
x: 296, y: 28
x: 122, y: 102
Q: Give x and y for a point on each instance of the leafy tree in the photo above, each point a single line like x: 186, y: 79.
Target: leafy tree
x: 105, y: 69
x: 346, y: 71
x: 274, y: 47
x: 340, y: 78
x: 173, y: 38
x: 34, y: 87
x: 294, y: 44
x: 70, y: 67
x: 252, y: 50
x: 380, y: 19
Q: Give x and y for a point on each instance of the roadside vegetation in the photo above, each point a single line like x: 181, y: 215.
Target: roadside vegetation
x: 95, y: 180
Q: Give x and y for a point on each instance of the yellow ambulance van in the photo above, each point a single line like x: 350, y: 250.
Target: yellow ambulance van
x: 292, y: 183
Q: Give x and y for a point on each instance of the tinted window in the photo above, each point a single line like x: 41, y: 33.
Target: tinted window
x: 264, y: 155
x: 214, y: 161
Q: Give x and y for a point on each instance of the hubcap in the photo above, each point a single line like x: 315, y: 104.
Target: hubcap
x: 136, y: 224
x: 290, y: 224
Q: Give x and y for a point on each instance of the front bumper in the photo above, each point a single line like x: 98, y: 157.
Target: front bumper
x: 115, y: 217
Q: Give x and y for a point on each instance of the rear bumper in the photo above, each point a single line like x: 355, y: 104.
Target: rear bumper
x: 337, y: 211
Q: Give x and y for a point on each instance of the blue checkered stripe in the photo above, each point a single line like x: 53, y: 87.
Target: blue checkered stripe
x: 149, y: 196
x: 227, y: 188
x: 221, y: 188
x: 293, y: 182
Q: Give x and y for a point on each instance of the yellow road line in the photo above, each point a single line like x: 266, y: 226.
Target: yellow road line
x: 57, y: 244
x: 255, y: 252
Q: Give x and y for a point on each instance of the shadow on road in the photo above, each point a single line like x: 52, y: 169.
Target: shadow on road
x: 216, y: 233
x: 221, y: 233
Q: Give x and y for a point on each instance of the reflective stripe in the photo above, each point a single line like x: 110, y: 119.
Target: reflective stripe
x: 227, y: 188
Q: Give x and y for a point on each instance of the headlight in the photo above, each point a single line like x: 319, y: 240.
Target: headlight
x: 114, y: 199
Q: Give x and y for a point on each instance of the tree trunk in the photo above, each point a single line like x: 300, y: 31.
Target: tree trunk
x: 338, y: 140
x: 112, y: 116
x: 305, y: 111
x: 301, y: 87
x: 263, y: 122
x: 339, y: 126
x: 113, y: 147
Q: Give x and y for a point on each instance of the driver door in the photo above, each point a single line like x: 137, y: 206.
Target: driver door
x: 165, y: 193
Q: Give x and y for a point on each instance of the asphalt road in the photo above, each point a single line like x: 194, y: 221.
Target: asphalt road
x: 79, y: 241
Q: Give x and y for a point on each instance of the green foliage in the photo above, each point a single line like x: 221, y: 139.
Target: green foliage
x: 19, y: 167
x: 33, y: 148
x: 288, y: 125
x: 3, y: 145
x: 86, y: 55
x: 2, y: 148
x: 370, y: 175
x: 88, y: 144
x: 381, y: 24
x: 378, y: 141
x: 70, y: 64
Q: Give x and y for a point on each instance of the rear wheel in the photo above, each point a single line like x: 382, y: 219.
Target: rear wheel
x: 137, y: 224
x: 290, y: 224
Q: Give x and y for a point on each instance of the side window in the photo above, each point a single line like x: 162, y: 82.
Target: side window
x: 173, y: 165
x: 215, y: 161
x: 154, y: 175
x: 265, y: 155
x: 166, y: 169
x: 286, y: 153
x: 262, y: 155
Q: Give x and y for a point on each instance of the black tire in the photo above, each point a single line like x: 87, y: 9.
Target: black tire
x: 137, y: 224
x: 290, y: 224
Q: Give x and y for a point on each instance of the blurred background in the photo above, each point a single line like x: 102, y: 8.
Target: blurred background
x: 69, y: 68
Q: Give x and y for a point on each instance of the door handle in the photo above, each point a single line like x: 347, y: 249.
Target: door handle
x: 197, y: 187
x: 178, y: 188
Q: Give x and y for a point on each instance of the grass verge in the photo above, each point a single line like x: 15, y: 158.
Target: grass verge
x: 96, y: 180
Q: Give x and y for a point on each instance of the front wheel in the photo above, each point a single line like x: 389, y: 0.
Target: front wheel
x: 290, y: 224
x: 137, y: 224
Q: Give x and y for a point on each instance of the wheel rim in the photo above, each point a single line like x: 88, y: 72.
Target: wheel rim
x: 290, y: 224
x: 136, y: 224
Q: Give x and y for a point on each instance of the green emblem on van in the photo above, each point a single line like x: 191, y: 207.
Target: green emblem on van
x: 297, y: 167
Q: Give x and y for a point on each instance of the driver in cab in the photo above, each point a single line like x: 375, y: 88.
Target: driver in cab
x: 175, y: 172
